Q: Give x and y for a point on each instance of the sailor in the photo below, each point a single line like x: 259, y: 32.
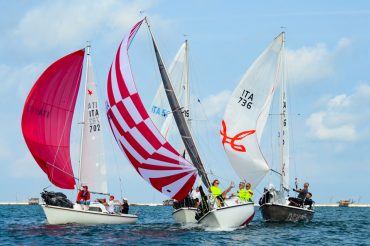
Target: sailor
x: 302, y: 193
x: 83, y: 197
x: 195, y: 194
x: 124, y: 206
x: 217, y: 192
x: 242, y: 192
x: 110, y: 205
x: 249, y: 193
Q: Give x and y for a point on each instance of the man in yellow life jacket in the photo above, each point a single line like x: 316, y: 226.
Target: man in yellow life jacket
x: 217, y: 192
x: 249, y: 193
x: 242, y: 194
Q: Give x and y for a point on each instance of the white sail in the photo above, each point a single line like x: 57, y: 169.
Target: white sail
x: 92, y: 163
x: 160, y: 111
x: 246, y: 114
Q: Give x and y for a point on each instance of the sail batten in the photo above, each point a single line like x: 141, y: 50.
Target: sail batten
x: 179, y: 118
x: 146, y: 149
x: 47, y: 118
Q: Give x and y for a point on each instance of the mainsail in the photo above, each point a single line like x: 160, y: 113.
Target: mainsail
x: 179, y: 118
x: 160, y: 111
x: 92, y: 162
x: 246, y: 114
x: 147, y: 150
x: 47, y: 118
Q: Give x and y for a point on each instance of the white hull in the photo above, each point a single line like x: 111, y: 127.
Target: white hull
x: 184, y: 215
x: 231, y: 216
x: 60, y: 215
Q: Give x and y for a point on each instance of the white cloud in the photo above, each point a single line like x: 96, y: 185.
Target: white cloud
x: 214, y: 105
x: 321, y: 130
x: 344, y: 43
x: 345, y: 117
x: 339, y: 101
x: 18, y: 79
x: 25, y: 166
x: 309, y: 64
x: 60, y: 23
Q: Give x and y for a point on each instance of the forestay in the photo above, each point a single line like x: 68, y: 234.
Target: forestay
x: 92, y: 163
x: 147, y: 150
x: 246, y: 114
x: 47, y: 118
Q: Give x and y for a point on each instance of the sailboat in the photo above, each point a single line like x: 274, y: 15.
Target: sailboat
x: 243, y: 124
x: 147, y: 149
x: 161, y: 114
x: 46, y: 126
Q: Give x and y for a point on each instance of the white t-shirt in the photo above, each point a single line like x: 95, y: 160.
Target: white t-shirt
x: 111, y: 206
x: 195, y: 194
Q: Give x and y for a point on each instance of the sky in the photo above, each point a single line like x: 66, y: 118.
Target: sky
x: 327, y: 60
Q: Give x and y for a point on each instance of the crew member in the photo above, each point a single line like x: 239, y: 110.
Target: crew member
x: 249, y: 193
x: 83, y: 197
x: 110, y: 205
x: 124, y: 206
x: 217, y: 192
x: 242, y: 192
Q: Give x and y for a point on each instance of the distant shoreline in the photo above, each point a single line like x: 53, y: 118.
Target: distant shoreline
x: 159, y: 204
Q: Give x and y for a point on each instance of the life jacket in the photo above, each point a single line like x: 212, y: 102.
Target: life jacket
x: 242, y: 194
x: 83, y: 195
x: 248, y: 196
x: 216, y: 191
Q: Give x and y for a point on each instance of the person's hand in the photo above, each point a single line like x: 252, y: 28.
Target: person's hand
x: 232, y: 185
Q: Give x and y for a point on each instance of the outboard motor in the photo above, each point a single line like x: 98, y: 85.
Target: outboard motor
x: 56, y: 199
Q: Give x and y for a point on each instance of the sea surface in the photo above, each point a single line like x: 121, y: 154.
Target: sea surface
x: 27, y: 225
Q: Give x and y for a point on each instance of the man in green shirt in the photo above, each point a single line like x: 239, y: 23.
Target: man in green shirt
x: 242, y: 194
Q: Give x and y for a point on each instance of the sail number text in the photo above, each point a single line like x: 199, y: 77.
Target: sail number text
x: 246, y: 99
x: 93, y: 113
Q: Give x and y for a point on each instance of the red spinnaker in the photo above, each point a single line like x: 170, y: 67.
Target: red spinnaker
x: 47, y: 118
x: 147, y: 150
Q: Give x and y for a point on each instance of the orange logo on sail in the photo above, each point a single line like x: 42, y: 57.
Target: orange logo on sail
x: 237, y: 137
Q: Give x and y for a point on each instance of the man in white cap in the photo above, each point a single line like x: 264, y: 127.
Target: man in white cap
x: 124, y: 206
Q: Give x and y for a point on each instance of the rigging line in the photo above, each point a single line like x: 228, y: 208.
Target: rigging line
x: 274, y: 171
x: 56, y: 167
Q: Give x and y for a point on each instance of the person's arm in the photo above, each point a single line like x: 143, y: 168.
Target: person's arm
x: 228, y: 189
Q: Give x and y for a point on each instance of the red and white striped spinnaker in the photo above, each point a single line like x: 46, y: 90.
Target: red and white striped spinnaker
x: 137, y: 136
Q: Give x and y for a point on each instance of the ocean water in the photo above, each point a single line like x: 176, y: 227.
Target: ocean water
x: 26, y: 225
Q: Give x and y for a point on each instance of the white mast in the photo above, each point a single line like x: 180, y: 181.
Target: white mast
x: 284, y: 133
x: 83, y: 113
x: 186, y: 87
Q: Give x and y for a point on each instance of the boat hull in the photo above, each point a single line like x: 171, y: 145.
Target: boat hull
x: 184, y: 215
x: 59, y: 215
x: 282, y: 213
x: 228, y: 217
